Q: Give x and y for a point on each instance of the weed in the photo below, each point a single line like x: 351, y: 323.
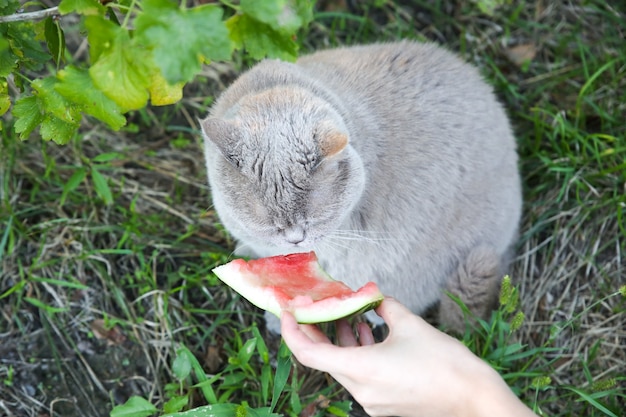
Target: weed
x: 527, y: 369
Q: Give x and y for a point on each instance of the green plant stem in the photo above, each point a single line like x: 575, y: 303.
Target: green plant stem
x: 229, y: 4
x: 25, y: 78
x: 489, y: 340
x: 38, y: 15
x: 128, y: 13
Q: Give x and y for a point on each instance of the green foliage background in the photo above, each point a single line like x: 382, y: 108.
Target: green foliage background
x: 139, y: 51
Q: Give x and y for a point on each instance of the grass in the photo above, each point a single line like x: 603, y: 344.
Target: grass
x: 106, y: 244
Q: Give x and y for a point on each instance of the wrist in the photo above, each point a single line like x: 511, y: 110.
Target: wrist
x: 491, y: 396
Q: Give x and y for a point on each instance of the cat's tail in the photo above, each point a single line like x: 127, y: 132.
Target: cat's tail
x: 476, y: 282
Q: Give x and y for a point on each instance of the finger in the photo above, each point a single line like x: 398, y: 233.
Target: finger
x: 314, y: 333
x: 365, y: 334
x: 296, y: 339
x: 345, y: 335
x: 318, y: 355
x: 391, y: 310
x: 288, y: 323
x: 402, y: 321
x: 290, y: 326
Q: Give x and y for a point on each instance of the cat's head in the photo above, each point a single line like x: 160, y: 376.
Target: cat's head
x: 281, y: 169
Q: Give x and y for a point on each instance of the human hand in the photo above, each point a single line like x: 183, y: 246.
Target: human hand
x: 416, y: 371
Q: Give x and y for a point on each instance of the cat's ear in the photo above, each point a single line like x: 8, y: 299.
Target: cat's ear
x: 223, y: 134
x: 332, y: 142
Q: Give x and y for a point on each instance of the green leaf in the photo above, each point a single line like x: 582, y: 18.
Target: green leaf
x: 77, y: 177
x: 181, y: 366
x: 8, y: 60
x: 77, y: 86
x: 59, y: 119
x: 261, y: 347
x: 304, y: 9
x: 25, y: 46
x: 57, y: 130
x: 84, y: 7
x: 340, y: 409
x: 107, y: 157
x: 294, y: 396
x: 281, y: 15
x: 8, y: 7
x: 489, y: 6
x: 589, y: 399
x: 283, y: 369
x: 120, y: 69
x: 18, y: 286
x: 260, y: 40
x: 55, y: 39
x: 101, y: 186
x: 246, y: 351
x: 214, y: 410
x: 234, y: 379
x: 60, y: 282
x: 54, y: 103
x: 207, y: 390
x: 5, y: 100
x: 134, y: 407
x: 28, y: 114
x: 41, y: 305
x: 3, y: 246
x: 175, y: 404
x: 182, y: 39
x: 100, y: 33
x: 266, y: 377
x: 163, y: 93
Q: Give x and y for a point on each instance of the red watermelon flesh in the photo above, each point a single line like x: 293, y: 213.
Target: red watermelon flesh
x: 297, y: 283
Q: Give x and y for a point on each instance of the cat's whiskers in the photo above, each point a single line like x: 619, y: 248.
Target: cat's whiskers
x: 359, y: 239
x: 238, y: 249
x: 362, y: 232
x: 344, y: 243
x: 331, y: 244
x: 370, y: 234
x: 362, y: 236
x: 374, y: 236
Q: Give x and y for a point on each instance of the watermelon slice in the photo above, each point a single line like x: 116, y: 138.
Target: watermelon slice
x: 297, y: 283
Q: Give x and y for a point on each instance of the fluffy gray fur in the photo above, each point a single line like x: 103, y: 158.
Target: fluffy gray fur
x: 394, y: 162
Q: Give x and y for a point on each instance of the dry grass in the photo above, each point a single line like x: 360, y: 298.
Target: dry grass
x: 95, y: 297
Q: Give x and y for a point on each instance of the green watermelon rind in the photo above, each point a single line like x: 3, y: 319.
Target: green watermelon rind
x: 317, y: 312
x: 328, y: 309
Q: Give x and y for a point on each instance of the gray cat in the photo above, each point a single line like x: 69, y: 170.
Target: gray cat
x: 394, y: 162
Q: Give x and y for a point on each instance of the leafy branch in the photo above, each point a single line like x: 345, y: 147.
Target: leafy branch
x: 140, y: 51
x: 39, y: 14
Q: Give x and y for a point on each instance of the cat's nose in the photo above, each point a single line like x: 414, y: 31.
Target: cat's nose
x: 295, y: 234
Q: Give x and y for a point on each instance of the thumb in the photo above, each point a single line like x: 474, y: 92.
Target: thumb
x: 391, y: 310
x: 402, y: 321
